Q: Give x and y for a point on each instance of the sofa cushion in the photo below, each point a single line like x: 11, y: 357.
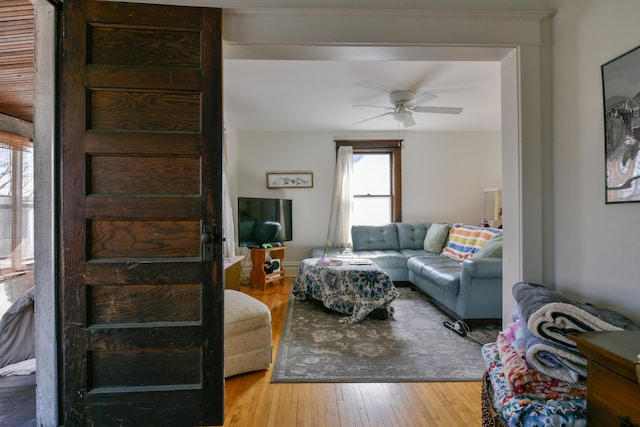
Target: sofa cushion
x: 375, y: 237
x: 466, y: 240
x: 441, y: 271
x: 411, y: 234
x: 415, y: 252
x: 493, y: 248
x: 435, y: 238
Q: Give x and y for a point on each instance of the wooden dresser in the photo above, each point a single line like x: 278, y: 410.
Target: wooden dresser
x: 233, y: 272
x: 613, y: 394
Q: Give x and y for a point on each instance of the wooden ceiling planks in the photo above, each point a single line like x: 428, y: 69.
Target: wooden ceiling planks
x: 16, y: 58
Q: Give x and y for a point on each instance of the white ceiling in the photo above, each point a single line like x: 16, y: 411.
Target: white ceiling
x: 318, y: 95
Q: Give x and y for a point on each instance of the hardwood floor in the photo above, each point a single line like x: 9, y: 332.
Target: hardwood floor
x: 252, y: 400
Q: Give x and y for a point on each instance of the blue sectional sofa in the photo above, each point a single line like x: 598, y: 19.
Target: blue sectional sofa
x: 468, y: 290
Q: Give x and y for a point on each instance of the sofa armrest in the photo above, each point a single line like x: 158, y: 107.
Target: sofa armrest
x: 480, y: 292
x: 482, y: 268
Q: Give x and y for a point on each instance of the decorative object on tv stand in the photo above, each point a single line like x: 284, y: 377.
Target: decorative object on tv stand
x: 496, y: 220
x: 620, y: 82
x: 290, y: 179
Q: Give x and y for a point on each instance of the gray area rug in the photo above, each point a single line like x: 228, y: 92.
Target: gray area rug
x: 411, y: 346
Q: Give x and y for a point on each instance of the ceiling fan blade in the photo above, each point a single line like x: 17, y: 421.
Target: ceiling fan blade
x: 374, y: 117
x: 373, y: 106
x: 439, y: 110
x: 419, y: 99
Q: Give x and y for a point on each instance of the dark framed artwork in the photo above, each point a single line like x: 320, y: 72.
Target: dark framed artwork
x: 621, y: 97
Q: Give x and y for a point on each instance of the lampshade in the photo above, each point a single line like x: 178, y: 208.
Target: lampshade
x: 401, y: 115
x: 404, y: 116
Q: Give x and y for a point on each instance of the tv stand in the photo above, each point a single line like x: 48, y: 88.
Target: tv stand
x: 258, y: 258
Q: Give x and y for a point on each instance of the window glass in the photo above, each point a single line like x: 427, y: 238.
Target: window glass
x: 6, y: 213
x: 371, y: 186
x: 371, y: 174
x: 16, y: 208
x: 27, y: 205
x: 5, y: 171
x: 371, y: 210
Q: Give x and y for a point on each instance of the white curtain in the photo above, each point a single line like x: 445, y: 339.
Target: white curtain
x: 339, y: 234
x: 229, y: 244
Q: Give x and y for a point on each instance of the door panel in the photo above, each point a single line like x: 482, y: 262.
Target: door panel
x: 141, y: 294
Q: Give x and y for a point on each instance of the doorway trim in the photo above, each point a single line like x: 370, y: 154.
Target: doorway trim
x: 520, y: 60
x: 45, y: 228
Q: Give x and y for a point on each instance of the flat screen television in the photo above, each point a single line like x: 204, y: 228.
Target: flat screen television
x: 263, y: 220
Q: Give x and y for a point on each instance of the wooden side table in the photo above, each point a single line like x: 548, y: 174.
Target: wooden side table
x: 233, y: 272
x: 613, y: 394
x: 258, y: 257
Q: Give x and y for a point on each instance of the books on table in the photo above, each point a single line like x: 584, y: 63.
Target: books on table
x: 360, y: 262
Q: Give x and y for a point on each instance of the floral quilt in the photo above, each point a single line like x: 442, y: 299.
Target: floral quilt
x: 520, y: 411
x: 529, y: 382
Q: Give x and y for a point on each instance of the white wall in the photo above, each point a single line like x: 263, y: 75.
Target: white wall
x: 443, y: 175
x: 596, y: 247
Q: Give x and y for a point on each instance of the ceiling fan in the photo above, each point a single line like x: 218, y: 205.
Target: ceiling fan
x: 404, y: 103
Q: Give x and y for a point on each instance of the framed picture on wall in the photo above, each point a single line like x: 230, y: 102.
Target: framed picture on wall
x: 290, y: 179
x: 621, y: 97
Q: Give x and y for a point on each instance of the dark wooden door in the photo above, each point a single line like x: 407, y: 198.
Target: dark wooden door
x: 141, y: 296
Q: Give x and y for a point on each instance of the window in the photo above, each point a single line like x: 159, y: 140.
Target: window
x: 376, y: 183
x: 16, y: 204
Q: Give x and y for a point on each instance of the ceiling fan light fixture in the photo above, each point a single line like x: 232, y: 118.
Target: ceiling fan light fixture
x: 401, y: 115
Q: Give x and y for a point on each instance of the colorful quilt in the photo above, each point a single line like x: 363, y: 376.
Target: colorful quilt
x: 529, y: 382
x: 465, y: 240
x: 519, y: 411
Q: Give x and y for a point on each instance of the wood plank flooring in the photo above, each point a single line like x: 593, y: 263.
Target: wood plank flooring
x: 251, y: 400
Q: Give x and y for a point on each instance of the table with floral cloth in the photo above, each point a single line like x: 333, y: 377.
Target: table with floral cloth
x: 350, y: 288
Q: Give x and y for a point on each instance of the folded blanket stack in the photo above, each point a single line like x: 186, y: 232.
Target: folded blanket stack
x: 535, y: 367
x: 529, y: 382
x: 548, y: 318
x: 517, y: 410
